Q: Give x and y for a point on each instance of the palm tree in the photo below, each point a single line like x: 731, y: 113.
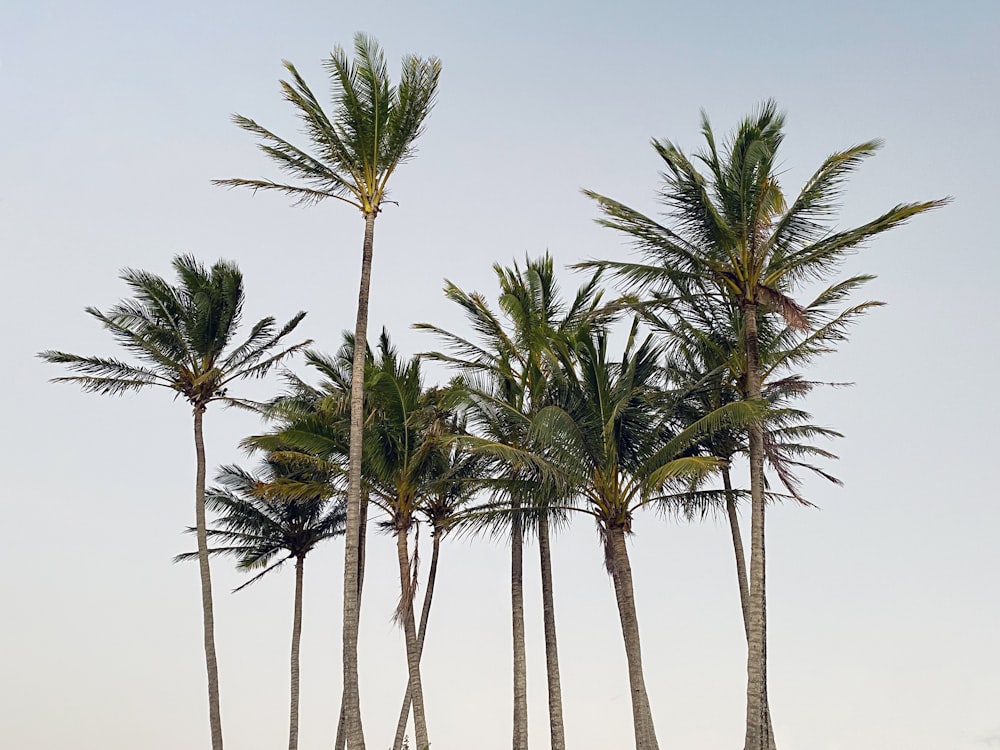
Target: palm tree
x: 734, y: 237
x: 612, y: 436
x: 456, y: 478
x: 181, y: 337
x: 509, y: 373
x: 406, y: 468
x: 406, y: 448
x: 705, y: 364
x: 314, y: 423
x: 282, y: 511
x: 354, y: 152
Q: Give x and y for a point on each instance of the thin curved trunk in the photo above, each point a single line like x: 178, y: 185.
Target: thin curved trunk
x: 425, y: 612
x: 520, y: 738
x: 757, y: 732
x: 355, y: 738
x: 741, y: 574
x: 341, y: 741
x: 557, y: 736
x: 621, y: 574
x: 293, y: 712
x: 410, y: 634
x: 208, y: 615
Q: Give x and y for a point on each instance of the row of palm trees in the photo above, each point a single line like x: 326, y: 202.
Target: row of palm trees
x: 541, y: 420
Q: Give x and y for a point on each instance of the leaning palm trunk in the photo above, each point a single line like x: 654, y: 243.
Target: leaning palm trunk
x: 425, y: 612
x: 407, y: 585
x: 557, y: 736
x: 757, y: 728
x: 520, y: 740
x: 741, y: 562
x: 208, y: 616
x: 741, y: 574
x: 293, y: 713
x: 355, y: 738
x: 621, y: 574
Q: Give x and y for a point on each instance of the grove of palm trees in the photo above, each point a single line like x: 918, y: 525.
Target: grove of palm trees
x: 587, y: 494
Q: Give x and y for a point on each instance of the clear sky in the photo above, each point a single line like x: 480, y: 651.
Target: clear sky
x: 884, y: 612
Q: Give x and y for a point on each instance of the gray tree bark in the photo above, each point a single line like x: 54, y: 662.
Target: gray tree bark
x: 520, y: 734
x: 341, y: 741
x: 208, y: 614
x: 557, y: 735
x: 410, y: 635
x: 355, y: 738
x: 293, y: 711
x: 741, y: 574
x: 425, y: 612
x: 757, y: 732
x: 621, y: 574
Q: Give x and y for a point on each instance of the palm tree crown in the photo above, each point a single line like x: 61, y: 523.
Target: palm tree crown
x: 180, y: 335
x: 371, y: 131
x: 280, y: 511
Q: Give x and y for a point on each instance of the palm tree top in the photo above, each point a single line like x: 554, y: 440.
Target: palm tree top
x: 284, y: 508
x: 355, y: 148
x: 180, y: 336
x: 731, y: 228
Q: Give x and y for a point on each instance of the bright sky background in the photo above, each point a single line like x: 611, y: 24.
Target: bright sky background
x: 883, y: 606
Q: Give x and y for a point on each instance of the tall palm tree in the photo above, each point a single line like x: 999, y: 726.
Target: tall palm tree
x: 509, y: 370
x: 733, y: 236
x: 281, y: 511
x: 313, y: 423
x: 612, y: 435
x: 705, y: 364
x: 405, y: 468
x: 181, y: 337
x: 353, y: 152
x: 405, y: 451
x: 397, y: 455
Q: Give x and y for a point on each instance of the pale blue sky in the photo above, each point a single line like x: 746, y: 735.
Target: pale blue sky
x: 883, y: 606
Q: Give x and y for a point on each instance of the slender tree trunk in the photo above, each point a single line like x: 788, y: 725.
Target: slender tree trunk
x: 425, y: 612
x: 410, y: 634
x: 341, y: 740
x: 557, y: 736
x: 621, y: 573
x: 520, y: 739
x: 741, y: 573
x: 352, y: 702
x: 293, y: 712
x: 757, y: 733
x: 208, y: 616
x: 741, y: 563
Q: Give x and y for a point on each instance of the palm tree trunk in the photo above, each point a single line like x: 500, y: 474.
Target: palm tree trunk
x: 208, y: 615
x: 341, y: 740
x: 410, y: 634
x: 621, y: 573
x: 557, y: 736
x: 741, y: 574
x: 757, y: 734
x: 741, y: 563
x: 293, y: 713
x: 425, y: 612
x: 352, y: 703
x: 520, y: 739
